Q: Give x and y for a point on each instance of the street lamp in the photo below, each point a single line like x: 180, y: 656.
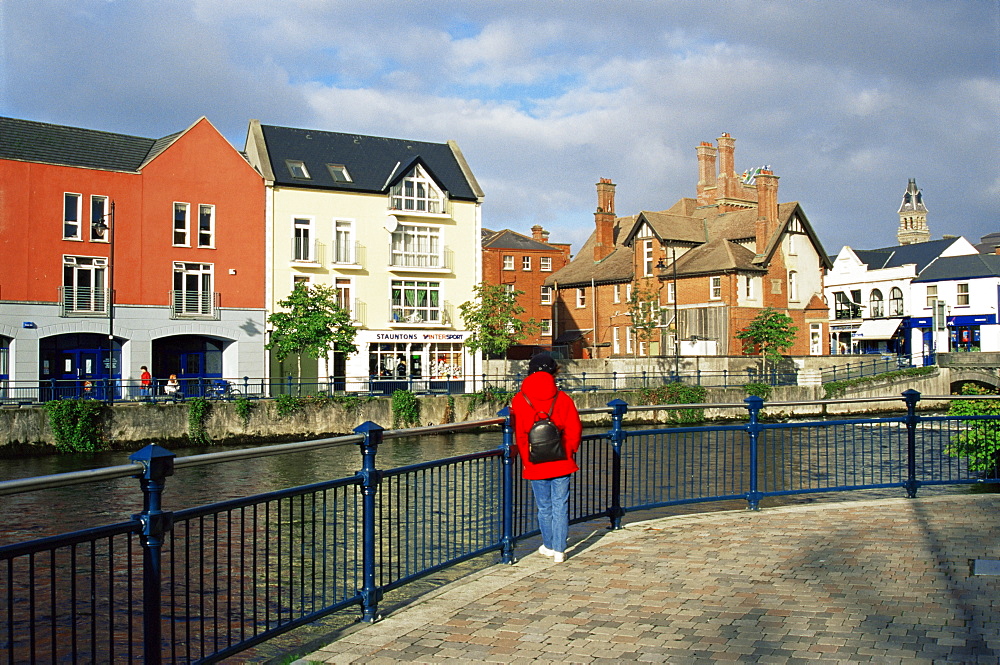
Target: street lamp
x: 100, y: 228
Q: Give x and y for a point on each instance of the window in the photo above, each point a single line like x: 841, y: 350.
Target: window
x: 525, y: 263
x: 546, y: 327
x: 931, y: 294
x: 716, y: 288
x: 671, y: 292
x: 192, y: 295
x: 844, y: 307
x: 99, y: 213
x: 581, y: 298
x: 647, y: 258
x: 71, y: 216
x: 508, y: 289
x: 749, y: 287
x: 83, y: 290
x: 628, y: 292
x: 297, y: 169
x: 545, y: 264
x: 793, y: 286
x: 616, y: 293
x: 343, y: 241
x: 206, y: 226
x: 896, y: 301
x: 546, y: 295
x: 875, y: 304
x: 342, y: 286
x: 300, y: 279
x: 628, y: 339
x: 508, y: 262
x: 793, y: 244
x: 416, y: 192
x: 338, y: 172
x: 616, y: 346
x: 416, y: 301
x: 963, y: 294
x: 181, y: 215
x: 416, y: 247
x: 302, y: 248
x: 815, y: 339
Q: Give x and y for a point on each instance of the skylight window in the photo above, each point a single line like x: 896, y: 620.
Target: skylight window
x: 297, y: 169
x: 339, y: 173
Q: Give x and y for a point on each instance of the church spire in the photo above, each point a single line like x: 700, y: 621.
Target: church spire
x: 912, y: 216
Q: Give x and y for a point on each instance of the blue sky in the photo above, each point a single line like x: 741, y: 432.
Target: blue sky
x: 845, y: 100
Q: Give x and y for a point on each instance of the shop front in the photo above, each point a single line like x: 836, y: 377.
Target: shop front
x: 966, y: 332
x: 879, y: 336
x: 415, y: 360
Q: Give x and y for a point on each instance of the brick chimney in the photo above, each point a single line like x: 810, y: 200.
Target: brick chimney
x: 604, y: 219
x: 538, y: 234
x: 767, y: 208
x: 728, y: 182
x: 706, y: 173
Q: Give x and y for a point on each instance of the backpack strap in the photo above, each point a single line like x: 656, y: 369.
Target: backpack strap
x: 551, y: 408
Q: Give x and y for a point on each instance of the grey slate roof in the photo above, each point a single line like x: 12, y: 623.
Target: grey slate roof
x: 30, y: 141
x: 988, y: 243
x: 507, y: 239
x: 920, y: 254
x: 961, y: 267
x: 373, y: 162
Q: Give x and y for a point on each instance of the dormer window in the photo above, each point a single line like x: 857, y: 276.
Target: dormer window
x: 416, y: 192
x: 339, y: 173
x: 297, y: 169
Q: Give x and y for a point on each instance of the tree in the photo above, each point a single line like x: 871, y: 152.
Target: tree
x: 644, y: 309
x: 491, y: 319
x: 772, y: 332
x: 979, y: 443
x: 313, y: 323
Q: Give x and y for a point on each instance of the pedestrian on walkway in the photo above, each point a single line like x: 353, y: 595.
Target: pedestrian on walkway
x: 540, y: 398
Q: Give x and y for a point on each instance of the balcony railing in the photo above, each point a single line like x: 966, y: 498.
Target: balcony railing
x: 309, y: 251
x: 83, y: 301
x: 417, y: 261
x: 433, y: 316
x: 351, y: 256
x: 194, y: 305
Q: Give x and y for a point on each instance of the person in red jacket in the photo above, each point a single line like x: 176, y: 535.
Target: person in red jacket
x: 549, y: 480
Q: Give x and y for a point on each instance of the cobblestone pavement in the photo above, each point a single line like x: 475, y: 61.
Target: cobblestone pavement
x: 887, y: 581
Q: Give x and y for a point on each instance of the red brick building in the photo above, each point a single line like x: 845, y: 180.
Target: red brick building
x: 699, y: 271
x: 524, y: 264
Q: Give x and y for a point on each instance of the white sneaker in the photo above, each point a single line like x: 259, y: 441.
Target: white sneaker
x: 559, y: 557
x: 542, y: 549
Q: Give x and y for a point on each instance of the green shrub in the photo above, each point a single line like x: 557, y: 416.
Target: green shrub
x: 405, y: 409
x: 677, y: 393
x: 761, y: 390
x: 834, y: 389
x: 76, y: 425
x: 288, y: 405
x: 492, y: 396
x: 198, y: 409
x: 979, y: 444
x: 244, y: 409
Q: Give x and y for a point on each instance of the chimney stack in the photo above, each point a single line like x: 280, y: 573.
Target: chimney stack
x: 538, y: 234
x: 706, y: 173
x: 604, y: 219
x: 728, y: 182
x: 767, y: 208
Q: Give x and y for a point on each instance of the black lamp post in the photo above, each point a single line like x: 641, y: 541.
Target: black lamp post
x: 101, y: 228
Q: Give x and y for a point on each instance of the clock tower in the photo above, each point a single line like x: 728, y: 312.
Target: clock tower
x: 912, y: 217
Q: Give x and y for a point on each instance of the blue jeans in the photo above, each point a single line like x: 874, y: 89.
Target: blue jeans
x: 552, y: 501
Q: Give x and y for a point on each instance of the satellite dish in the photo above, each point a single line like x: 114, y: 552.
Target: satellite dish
x: 391, y: 223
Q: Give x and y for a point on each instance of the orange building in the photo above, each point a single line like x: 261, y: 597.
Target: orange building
x: 157, y: 244
x: 685, y: 280
x: 524, y: 264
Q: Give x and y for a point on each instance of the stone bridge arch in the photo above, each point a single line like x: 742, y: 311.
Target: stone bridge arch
x: 981, y: 376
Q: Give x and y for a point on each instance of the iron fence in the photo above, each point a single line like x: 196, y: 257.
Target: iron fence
x: 869, y: 367
x: 202, y: 584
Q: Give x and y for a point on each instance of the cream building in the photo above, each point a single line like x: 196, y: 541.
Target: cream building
x: 394, y: 226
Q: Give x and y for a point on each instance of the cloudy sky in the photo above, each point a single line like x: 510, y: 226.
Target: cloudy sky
x: 844, y: 100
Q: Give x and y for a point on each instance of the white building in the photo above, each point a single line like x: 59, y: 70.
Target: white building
x: 393, y: 225
x: 966, y: 290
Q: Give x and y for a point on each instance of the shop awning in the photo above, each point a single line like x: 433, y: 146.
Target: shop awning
x: 875, y: 329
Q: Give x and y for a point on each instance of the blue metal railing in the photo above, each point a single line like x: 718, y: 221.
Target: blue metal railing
x: 868, y: 367
x: 202, y: 584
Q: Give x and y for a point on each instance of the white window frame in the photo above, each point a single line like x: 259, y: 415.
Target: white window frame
x: 303, y: 242
x: 581, y: 298
x: 344, y: 293
x: 417, y: 311
x: 343, y: 242
x: 628, y: 292
x: 99, y: 214
x: 793, y: 286
x: 508, y: 261
x: 815, y: 339
x: 962, y: 294
x: 647, y: 258
x: 78, y: 212
x: 297, y: 169
x: 90, y: 299
x: 616, y: 345
x: 616, y: 293
x: 181, y: 227
x: 417, y: 193
x: 206, y: 238
x: 546, y: 326
x: 416, y: 246
x: 671, y: 291
x: 749, y: 287
x: 932, y: 294
x: 545, y: 263
x: 896, y: 304
x: 339, y: 173
x: 526, y: 263
x: 201, y: 303
x: 715, y: 287
x: 546, y: 295
x: 301, y: 279
x: 628, y: 339
x: 876, y: 304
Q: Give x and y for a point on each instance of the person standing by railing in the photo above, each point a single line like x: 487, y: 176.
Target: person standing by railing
x: 549, y: 480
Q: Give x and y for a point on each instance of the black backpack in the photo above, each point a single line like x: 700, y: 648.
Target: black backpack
x: 545, y: 440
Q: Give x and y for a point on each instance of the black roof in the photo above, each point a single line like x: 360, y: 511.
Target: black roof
x: 988, y: 243
x: 507, y: 239
x: 372, y: 162
x: 918, y: 253
x: 961, y: 267
x: 31, y: 141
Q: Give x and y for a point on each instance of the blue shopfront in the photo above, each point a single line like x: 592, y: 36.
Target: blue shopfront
x: 964, y: 333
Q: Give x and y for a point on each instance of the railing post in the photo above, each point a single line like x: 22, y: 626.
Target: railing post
x: 911, y: 397
x: 158, y: 463
x: 246, y: 386
x: 507, y: 489
x: 754, y: 405
x: 370, y: 478
x: 617, y: 436
x: 290, y: 385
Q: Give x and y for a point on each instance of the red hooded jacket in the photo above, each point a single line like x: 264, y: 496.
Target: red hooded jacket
x: 540, y: 387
